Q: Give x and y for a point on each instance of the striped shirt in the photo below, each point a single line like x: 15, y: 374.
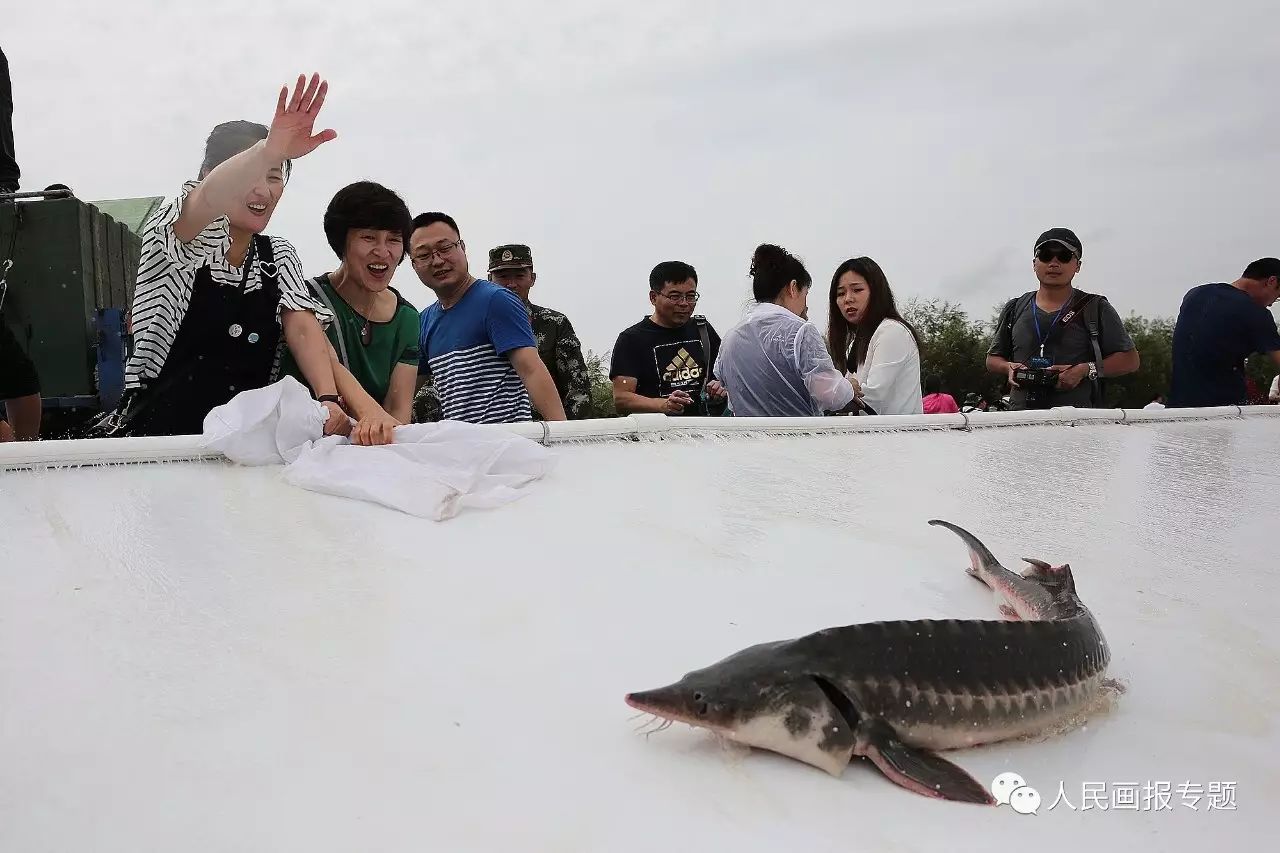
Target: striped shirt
x: 167, y: 270
x: 466, y: 352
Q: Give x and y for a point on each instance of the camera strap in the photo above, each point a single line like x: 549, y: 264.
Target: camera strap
x: 1081, y: 303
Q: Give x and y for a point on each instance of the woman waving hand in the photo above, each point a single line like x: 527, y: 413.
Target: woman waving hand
x: 217, y: 299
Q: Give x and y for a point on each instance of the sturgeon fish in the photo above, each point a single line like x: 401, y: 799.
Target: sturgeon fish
x: 897, y: 692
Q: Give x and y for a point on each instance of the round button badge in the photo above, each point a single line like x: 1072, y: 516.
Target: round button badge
x: 253, y: 337
x: 236, y: 330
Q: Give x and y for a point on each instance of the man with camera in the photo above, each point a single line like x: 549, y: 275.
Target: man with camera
x: 1057, y: 343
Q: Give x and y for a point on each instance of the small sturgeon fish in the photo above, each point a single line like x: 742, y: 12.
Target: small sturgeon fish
x: 894, y: 692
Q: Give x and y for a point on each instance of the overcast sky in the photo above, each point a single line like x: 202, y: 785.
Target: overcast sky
x: 937, y: 137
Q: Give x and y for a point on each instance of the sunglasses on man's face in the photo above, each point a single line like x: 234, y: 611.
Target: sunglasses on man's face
x: 1062, y: 256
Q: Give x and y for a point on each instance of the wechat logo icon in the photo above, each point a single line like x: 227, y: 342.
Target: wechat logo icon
x: 1012, y: 790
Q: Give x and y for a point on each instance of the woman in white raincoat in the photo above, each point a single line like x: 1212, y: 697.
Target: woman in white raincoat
x: 775, y: 363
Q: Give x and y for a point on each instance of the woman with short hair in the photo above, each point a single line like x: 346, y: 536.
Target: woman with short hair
x: 375, y: 330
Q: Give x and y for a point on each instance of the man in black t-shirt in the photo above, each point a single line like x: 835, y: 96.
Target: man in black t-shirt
x: 662, y: 363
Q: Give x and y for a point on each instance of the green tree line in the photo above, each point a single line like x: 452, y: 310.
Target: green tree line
x: 954, y: 347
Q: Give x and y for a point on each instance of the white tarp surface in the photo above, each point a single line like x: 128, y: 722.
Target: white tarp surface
x: 201, y: 657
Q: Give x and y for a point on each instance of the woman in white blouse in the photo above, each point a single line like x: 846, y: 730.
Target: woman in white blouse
x: 866, y: 333
x: 775, y: 363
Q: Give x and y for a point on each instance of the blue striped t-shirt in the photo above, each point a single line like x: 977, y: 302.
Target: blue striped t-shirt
x: 465, y: 348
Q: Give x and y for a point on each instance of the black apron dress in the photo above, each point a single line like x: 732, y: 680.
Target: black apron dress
x: 226, y: 344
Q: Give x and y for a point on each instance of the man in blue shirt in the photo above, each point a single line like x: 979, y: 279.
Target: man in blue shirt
x: 1219, y: 327
x: 477, y: 345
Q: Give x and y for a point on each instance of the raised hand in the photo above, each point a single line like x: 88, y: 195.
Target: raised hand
x: 291, y: 136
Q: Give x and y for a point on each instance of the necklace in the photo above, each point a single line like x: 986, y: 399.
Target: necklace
x: 366, y: 330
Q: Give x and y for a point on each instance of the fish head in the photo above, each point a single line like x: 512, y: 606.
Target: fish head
x: 704, y: 705
x: 725, y: 694
x: 757, y: 698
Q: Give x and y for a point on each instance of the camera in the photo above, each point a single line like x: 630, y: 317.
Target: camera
x: 1038, y: 381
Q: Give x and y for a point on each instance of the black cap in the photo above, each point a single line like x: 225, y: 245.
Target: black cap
x: 510, y: 257
x: 1065, y: 236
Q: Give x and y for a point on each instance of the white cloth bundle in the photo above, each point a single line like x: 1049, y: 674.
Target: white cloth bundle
x: 431, y: 470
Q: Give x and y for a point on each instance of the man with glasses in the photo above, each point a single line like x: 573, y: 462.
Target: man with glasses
x: 477, y: 347
x: 663, y: 363
x: 1056, y: 344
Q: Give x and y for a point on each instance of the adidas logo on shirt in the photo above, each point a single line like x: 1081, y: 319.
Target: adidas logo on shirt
x: 683, y: 368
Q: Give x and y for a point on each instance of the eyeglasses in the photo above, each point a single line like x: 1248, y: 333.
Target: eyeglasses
x: 1063, y: 256
x: 425, y: 256
x: 679, y: 298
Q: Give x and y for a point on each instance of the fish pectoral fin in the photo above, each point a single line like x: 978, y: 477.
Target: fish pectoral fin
x: 1037, y: 567
x: 918, y: 770
x: 1052, y: 577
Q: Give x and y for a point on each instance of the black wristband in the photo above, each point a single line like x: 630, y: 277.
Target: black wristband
x: 329, y: 398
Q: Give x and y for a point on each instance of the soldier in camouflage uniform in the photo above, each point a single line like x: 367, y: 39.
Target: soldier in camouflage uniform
x: 512, y: 267
x: 426, y: 402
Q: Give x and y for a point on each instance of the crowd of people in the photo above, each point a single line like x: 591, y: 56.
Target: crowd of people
x: 220, y: 307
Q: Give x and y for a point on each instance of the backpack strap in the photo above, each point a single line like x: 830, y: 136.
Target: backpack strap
x: 705, y: 335
x: 1012, y: 311
x: 1092, y: 314
x: 317, y: 287
x: 268, y: 272
x: 1088, y: 308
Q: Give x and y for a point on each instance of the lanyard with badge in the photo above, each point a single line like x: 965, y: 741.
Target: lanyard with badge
x: 1041, y: 361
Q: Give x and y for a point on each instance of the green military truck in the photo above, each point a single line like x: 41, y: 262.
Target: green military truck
x: 68, y: 268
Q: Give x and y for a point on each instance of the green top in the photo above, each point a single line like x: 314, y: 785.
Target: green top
x: 390, y: 343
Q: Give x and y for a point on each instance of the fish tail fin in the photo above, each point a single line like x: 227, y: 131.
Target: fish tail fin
x: 980, y: 557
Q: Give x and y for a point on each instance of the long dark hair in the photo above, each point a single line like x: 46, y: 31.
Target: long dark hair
x: 880, y: 307
x: 772, y: 269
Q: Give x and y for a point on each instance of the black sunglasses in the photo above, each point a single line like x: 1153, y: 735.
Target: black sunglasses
x: 1063, y: 255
